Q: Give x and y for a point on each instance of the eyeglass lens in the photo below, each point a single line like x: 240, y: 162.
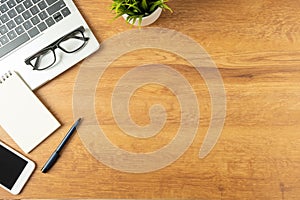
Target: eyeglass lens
x: 72, y: 42
x: 44, y: 60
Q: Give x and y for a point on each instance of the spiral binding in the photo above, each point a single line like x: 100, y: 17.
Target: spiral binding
x: 5, y: 77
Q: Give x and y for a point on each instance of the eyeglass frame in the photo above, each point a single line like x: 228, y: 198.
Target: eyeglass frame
x: 55, y: 45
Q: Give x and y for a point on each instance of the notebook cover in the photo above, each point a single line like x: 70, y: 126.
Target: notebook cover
x: 22, y: 115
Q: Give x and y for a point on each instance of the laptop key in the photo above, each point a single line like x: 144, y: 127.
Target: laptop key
x: 35, y: 20
x: 4, y: 18
x: 27, y: 3
x: 26, y: 15
x: 11, y: 3
x: 13, y: 44
x: 3, y: 8
x: 50, y: 2
x: 56, y: 7
x: 4, y: 40
x: 33, y: 32
x: 43, y: 15
x: 12, y: 35
x: 19, y: 19
x: 11, y: 24
x: 19, y: 30
x: 3, y: 29
x: 34, y: 10
x: 57, y: 17
x: 27, y: 25
x: 20, y: 8
x: 42, y: 5
x: 42, y: 26
x: 12, y: 13
x: 65, y: 11
x: 50, y: 21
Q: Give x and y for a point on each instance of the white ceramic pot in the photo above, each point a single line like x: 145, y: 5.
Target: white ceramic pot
x: 148, y: 19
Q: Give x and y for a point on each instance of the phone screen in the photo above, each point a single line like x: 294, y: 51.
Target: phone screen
x: 11, y: 166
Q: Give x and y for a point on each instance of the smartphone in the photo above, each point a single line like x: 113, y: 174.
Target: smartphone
x: 15, y: 169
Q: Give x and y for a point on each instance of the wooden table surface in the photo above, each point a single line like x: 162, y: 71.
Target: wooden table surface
x: 256, y: 47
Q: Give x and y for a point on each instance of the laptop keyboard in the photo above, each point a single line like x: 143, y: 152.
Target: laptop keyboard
x: 22, y: 20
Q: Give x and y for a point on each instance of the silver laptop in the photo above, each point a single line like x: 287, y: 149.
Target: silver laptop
x: 32, y: 30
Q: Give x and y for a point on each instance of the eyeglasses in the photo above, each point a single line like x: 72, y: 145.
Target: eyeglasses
x: 69, y: 43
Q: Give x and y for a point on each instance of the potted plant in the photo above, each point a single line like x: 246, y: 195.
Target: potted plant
x: 139, y: 12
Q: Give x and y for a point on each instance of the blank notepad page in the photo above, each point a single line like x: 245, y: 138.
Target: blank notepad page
x: 22, y: 114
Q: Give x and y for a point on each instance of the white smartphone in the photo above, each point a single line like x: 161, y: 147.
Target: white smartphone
x: 15, y: 169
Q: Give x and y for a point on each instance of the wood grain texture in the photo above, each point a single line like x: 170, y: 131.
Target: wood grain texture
x: 256, y: 46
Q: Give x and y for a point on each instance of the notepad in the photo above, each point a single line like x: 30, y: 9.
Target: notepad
x: 22, y: 115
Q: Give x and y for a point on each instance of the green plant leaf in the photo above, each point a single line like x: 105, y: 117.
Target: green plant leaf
x: 140, y: 20
x: 144, y: 5
x: 155, y: 5
x: 133, y: 6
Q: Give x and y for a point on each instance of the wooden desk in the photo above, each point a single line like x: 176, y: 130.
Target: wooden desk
x: 256, y: 46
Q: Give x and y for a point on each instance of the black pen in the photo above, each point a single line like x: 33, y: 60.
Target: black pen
x: 55, y: 155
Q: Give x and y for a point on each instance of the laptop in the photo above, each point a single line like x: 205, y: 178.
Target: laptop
x: 28, y: 26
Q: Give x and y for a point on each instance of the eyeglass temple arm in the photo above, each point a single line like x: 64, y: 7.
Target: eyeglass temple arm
x: 38, y: 58
x: 82, y: 38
